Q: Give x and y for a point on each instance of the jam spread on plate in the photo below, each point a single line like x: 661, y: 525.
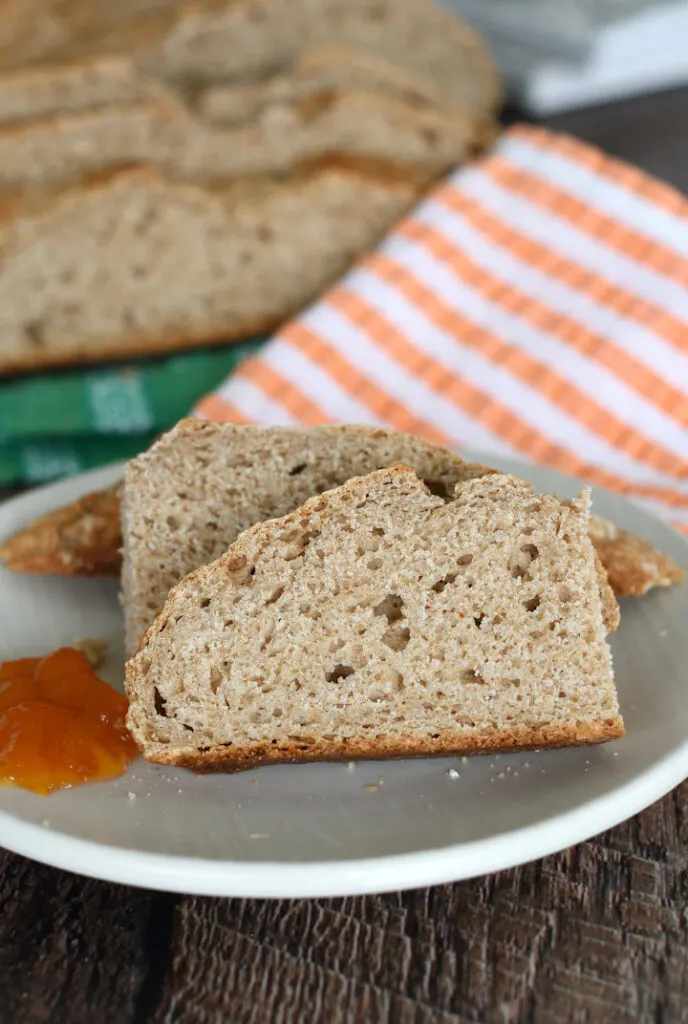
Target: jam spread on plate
x: 60, y: 725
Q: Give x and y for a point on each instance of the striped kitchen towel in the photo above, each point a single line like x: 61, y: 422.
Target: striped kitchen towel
x: 535, y: 305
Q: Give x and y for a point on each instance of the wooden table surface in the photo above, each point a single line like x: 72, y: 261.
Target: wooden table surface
x: 596, y: 934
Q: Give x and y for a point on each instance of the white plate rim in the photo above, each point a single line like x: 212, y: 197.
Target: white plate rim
x: 276, y: 879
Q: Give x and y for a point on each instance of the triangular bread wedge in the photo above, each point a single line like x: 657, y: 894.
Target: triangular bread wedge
x: 379, y: 620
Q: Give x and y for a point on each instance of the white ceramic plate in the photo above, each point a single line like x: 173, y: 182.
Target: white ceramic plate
x: 331, y: 829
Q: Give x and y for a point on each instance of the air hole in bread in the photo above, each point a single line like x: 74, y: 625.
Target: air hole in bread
x: 441, y: 584
x: 439, y: 489
x: 465, y: 560
x: 274, y: 596
x: 391, y: 607
x: 520, y: 561
x: 160, y: 703
x: 564, y: 592
x: 469, y: 675
x: 532, y: 603
x: 295, y: 470
x: 339, y: 672
x: 374, y: 564
x: 173, y: 523
x: 204, y: 603
x: 397, y: 639
x: 298, y: 540
x: 378, y: 531
x: 238, y: 569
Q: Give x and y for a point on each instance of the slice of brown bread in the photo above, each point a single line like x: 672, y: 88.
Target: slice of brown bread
x: 188, y: 497
x: 379, y: 620
x: 137, y: 265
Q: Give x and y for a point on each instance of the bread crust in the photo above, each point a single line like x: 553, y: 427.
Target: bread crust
x: 237, y: 759
x: 142, y: 345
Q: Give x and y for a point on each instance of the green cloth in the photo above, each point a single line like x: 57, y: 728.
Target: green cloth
x: 57, y: 424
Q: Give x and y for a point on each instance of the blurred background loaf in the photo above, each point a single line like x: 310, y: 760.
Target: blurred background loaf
x: 173, y: 177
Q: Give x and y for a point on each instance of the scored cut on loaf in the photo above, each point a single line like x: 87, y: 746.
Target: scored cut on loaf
x: 159, y: 131
x: 135, y: 264
x: 380, y: 620
x: 189, y: 496
x: 214, y: 41
x: 231, y: 41
x: 38, y: 92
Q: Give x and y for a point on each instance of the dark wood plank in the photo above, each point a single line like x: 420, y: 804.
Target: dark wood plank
x: 73, y: 951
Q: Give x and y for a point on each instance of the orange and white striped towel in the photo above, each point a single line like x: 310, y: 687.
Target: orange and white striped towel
x: 534, y: 305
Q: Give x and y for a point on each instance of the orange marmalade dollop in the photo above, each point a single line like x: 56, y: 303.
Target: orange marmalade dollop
x: 60, y: 725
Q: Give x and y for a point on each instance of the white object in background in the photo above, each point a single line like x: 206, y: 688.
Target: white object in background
x: 643, y: 54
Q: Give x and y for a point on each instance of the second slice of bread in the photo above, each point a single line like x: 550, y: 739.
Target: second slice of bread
x: 380, y: 620
x: 188, y: 497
